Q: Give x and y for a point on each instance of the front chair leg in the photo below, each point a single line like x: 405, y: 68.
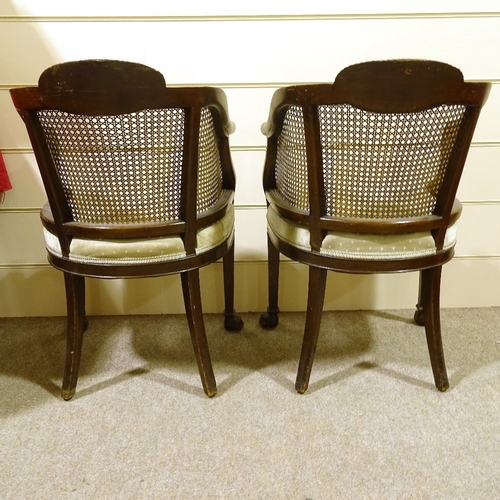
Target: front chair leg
x: 315, y: 300
x: 192, y: 301
x: 270, y: 319
x: 75, y: 301
x: 232, y: 322
x: 431, y: 284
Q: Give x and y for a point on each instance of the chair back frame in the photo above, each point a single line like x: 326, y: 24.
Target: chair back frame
x: 382, y: 87
x: 111, y: 88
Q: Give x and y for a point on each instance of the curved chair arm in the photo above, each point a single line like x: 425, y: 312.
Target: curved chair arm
x: 138, y: 230
x: 282, y: 99
x: 298, y: 95
x: 216, y: 100
x: 362, y: 225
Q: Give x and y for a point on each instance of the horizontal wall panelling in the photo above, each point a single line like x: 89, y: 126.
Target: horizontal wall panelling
x: 249, y: 49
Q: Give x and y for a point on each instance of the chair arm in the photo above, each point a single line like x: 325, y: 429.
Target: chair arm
x: 361, y: 225
x: 215, y: 99
x: 137, y: 230
x: 286, y: 209
x: 282, y: 99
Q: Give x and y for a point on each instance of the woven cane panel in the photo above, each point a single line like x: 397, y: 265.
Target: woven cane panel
x: 209, y: 165
x: 374, y: 165
x: 126, y: 168
x: 385, y: 165
x: 291, y: 161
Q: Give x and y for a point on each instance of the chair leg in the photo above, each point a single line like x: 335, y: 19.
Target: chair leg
x: 315, y: 300
x: 192, y: 301
x: 419, y: 313
x: 77, y: 323
x: 430, y: 291
x: 270, y: 319
x: 232, y: 322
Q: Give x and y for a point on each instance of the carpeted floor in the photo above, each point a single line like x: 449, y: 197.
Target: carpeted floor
x: 372, y: 424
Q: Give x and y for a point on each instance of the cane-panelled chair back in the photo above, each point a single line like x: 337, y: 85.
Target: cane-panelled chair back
x: 361, y: 175
x: 121, y: 151
x: 138, y: 177
x: 411, y: 152
x: 127, y: 168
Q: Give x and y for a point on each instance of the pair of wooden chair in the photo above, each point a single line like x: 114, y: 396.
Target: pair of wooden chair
x: 360, y: 176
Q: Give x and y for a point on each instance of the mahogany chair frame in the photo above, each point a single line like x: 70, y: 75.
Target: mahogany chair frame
x: 108, y: 88
x: 388, y: 87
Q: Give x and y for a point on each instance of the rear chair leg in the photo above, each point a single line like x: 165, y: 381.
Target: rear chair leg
x: 270, y: 319
x: 418, y: 317
x: 232, y: 322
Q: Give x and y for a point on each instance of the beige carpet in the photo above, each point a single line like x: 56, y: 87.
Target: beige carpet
x: 371, y: 425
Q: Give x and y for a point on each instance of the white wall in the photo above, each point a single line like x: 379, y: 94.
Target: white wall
x: 249, y: 49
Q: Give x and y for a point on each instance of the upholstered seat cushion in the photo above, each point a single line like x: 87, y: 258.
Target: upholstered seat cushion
x: 143, y: 250
x: 360, y: 246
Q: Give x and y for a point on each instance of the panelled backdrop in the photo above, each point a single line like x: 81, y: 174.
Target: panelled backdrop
x: 249, y: 49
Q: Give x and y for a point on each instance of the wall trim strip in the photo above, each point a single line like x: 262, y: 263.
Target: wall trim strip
x: 248, y: 17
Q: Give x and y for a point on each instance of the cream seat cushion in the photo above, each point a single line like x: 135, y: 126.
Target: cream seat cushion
x: 143, y: 250
x: 360, y: 246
